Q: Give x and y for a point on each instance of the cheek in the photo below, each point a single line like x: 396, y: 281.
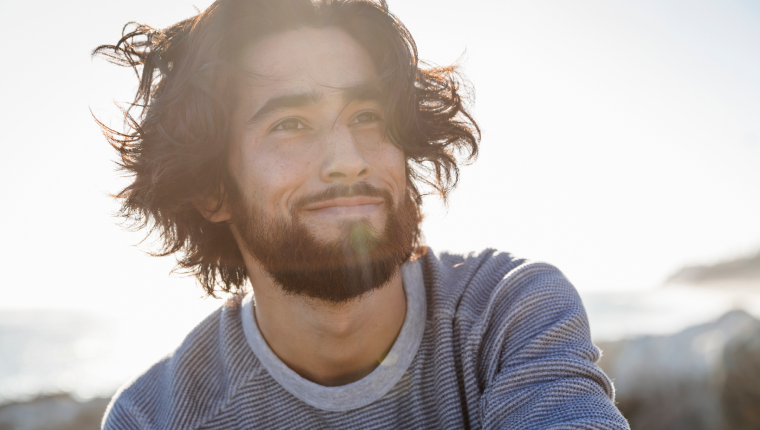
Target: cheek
x: 270, y: 174
x: 392, y: 164
x: 399, y: 165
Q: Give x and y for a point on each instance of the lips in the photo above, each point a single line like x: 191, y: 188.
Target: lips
x: 348, y: 203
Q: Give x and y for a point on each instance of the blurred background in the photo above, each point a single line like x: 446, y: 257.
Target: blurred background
x: 621, y: 143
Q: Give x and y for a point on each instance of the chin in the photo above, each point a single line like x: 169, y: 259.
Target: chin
x: 341, y: 230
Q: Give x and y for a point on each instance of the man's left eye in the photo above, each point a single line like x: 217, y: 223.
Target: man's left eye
x: 290, y: 124
x: 365, y: 117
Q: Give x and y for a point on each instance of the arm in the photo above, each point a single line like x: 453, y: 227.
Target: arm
x: 119, y: 417
x: 537, y: 363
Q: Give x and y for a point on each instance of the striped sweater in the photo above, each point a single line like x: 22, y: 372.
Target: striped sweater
x: 504, y: 343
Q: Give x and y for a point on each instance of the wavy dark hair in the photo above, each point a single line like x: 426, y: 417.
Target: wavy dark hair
x: 177, y: 127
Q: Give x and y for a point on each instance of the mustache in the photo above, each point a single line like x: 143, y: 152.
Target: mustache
x: 336, y: 191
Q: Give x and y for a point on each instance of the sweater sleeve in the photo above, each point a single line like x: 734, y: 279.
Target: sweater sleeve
x: 120, y: 417
x: 538, y: 362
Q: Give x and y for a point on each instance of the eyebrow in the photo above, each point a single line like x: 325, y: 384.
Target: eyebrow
x: 364, y: 91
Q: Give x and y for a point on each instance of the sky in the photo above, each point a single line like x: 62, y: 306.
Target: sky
x: 621, y: 141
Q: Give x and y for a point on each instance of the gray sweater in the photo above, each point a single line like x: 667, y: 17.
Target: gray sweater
x: 489, y: 341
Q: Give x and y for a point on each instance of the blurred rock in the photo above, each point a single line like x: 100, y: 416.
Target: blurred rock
x: 53, y: 412
x: 741, y: 387
x: 677, y: 382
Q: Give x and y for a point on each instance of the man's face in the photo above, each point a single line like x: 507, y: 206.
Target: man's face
x: 313, y: 168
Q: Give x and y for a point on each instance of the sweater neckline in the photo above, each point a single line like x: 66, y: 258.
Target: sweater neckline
x: 368, y: 389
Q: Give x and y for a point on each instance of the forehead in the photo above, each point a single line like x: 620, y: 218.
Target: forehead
x: 305, y: 60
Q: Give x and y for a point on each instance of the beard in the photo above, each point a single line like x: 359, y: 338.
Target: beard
x: 359, y: 261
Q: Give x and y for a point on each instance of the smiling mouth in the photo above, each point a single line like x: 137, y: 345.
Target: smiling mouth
x: 344, y: 202
x: 355, y: 205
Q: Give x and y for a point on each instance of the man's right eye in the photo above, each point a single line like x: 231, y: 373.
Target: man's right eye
x: 290, y: 124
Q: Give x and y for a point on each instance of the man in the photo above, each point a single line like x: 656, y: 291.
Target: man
x: 281, y: 143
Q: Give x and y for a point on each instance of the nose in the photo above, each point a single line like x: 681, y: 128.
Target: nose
x: 344, y: 161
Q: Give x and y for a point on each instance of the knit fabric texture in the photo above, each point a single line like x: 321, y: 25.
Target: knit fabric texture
x: 506, y: 345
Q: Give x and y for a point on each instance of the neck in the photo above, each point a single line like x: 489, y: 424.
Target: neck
x: 323, y: 342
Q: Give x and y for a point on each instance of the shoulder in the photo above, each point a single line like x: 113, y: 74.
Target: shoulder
x: 522, y: 337
x: 190, y: 384
x: 506, y: 308
x: 476, y: 284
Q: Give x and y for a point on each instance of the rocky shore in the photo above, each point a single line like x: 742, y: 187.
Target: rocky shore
x: 706, y: 377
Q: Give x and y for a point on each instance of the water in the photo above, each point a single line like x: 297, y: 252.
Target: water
x: 83, y: 353
x: 91, y: 355
x: 664, y: 310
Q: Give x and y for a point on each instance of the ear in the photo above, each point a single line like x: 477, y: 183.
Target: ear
x: 210, y: 208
